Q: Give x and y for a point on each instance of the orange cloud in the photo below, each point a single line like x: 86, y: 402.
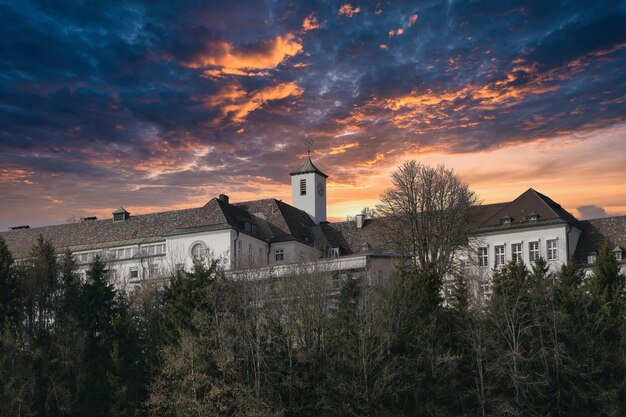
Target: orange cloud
x: 349, y: 11
x: 15, y: 175
x: 309, y: 23
x: 343, y: 148
x: 236, y: 103
x: 412, y: 20
x: 224, y: 58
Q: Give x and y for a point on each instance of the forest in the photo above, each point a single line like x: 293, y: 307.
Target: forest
x: 205, y: 344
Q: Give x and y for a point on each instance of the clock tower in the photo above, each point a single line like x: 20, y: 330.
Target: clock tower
x: 308, y: 189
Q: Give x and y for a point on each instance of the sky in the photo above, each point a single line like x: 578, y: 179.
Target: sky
x: 154, y: 105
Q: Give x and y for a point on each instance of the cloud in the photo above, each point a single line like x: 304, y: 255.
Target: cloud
x: 590, y: 212
x: 235, y: 103
x: 412, y: 20
x: 309, y: 23
x: 349, y: 11
x: 224, y: 58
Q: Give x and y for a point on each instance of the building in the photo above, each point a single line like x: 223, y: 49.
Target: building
x: 270, y: 235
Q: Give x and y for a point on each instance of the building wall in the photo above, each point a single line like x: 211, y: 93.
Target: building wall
x: 524, y: 236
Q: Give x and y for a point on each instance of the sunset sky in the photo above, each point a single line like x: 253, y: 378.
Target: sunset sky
x: 159, y: 105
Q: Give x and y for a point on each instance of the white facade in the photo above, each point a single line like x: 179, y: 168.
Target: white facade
x: 308, y: 193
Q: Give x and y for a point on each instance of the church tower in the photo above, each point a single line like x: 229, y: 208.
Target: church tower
x: 308, y: 189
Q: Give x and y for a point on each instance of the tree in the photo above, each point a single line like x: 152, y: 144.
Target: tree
x: 427, y: 213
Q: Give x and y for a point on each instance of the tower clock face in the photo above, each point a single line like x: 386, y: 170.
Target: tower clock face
x: 320, y: 189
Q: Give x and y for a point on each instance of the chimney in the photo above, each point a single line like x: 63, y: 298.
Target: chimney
x: 224, y: 198
x: 20, y: 227
x: 360, y: 220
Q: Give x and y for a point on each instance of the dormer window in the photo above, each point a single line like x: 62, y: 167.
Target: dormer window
x: 617, y: 252
x: 255, y: 229
x: 334, y: 252
x: 532, y: 217
x: 591, y: 258
x: 303, y: 187
x: 506, y: 220
x: 120, y: 215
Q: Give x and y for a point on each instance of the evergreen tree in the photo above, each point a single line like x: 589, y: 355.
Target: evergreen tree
x: 9, y: 289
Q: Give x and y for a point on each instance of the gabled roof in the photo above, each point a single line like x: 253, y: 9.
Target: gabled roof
x: 307, y: 167
x: 531, y: 202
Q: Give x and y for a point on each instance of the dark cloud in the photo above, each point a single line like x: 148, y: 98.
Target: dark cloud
x: 180, y: 99
x: 591, y: 212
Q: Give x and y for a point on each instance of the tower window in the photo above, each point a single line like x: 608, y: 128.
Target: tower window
x: 302, y: 187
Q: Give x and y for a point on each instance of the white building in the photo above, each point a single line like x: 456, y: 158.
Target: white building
x: 269, y: 235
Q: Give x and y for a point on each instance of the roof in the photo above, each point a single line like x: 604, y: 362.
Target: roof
x: 531, y: 202
x: 144, y: 228
x: 307, y: 167
x: 350, y: 239
x: 598, y: 231
x: 283, y: 220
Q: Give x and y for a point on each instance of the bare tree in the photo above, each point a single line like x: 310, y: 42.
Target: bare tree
x: 426, y: 213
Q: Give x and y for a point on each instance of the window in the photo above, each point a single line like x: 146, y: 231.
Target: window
x: 483, y: 257
x: 197, y: 251
x: 618, y: 255
x: 154, y: 270
x: 111, y: 275
x: 553, y: 252
x: 239, y: 246
x: 334, y: 252
x: 302, y: 187
x: 500, y: 255
x: 133, y: 274
x: 152, y: 250
x: 533, y: 251
x: 591, y: 258
x: 255, y: 229
x: 260, y: 255
x: 280, y: 254
x: 250, y: 250
x: 516, y: 253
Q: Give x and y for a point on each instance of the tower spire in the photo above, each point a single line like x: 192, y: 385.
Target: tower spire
x: 308, y: 143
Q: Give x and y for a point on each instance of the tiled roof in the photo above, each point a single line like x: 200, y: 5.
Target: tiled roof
x: 140, y: 228
x: 350, y: 239
x: 597, y: 231
x: 284, y: 221
x: 530, y: 202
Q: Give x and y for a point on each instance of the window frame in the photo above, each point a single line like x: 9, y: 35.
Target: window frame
x: 555, y: 249
x: 196, y: 245
x: 483, y: 257
x: 517, y: 256
x: 499, y: 256
x: 279, y: 255
x: 533, y: 254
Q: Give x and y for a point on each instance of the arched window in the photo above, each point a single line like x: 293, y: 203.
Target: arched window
x: 197, y: 250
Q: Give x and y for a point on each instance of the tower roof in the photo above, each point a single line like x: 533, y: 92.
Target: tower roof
x: 307, y: 167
